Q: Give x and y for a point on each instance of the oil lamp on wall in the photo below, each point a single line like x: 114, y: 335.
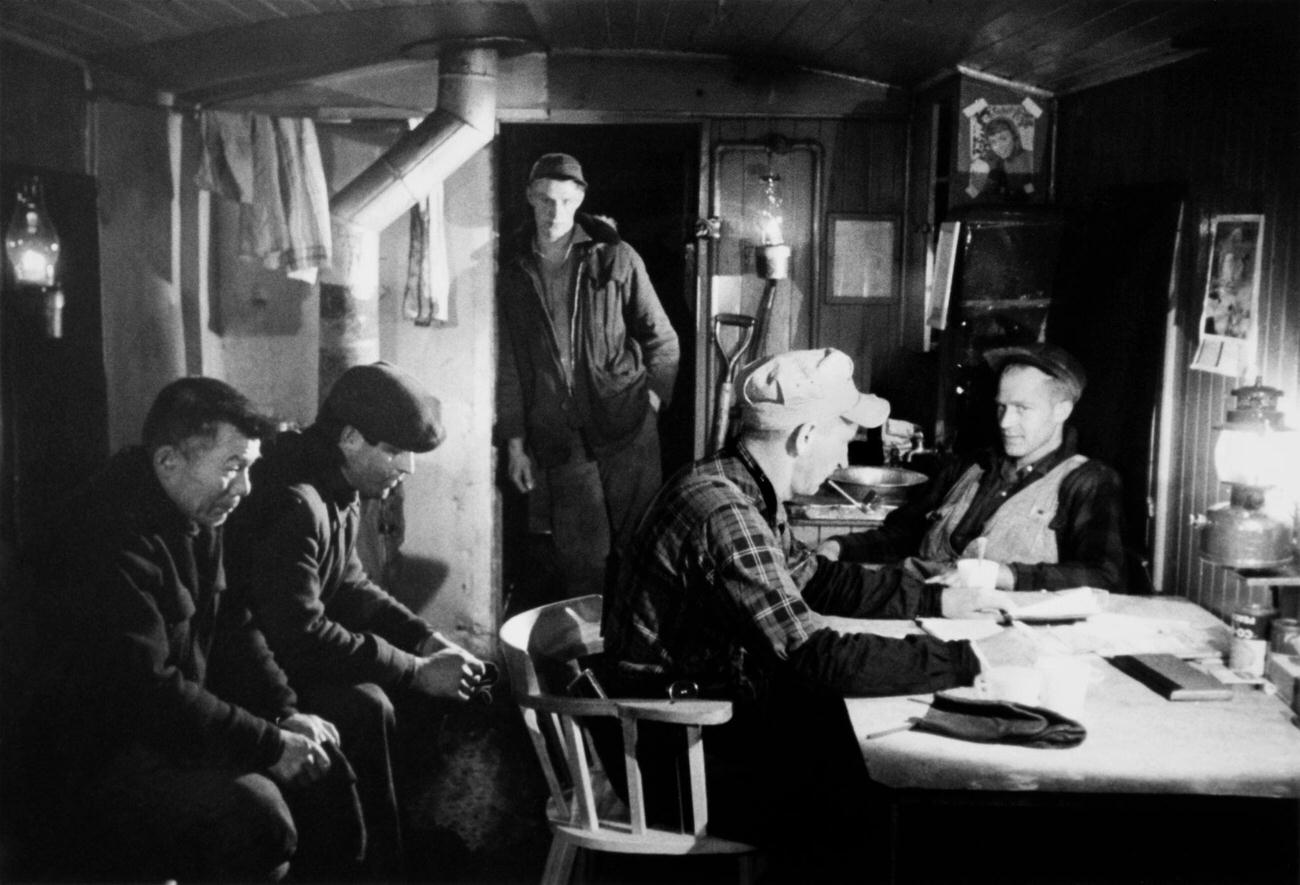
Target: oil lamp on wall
x: 32, y: 247
x: 772, y: 257
x: 1254, y: 453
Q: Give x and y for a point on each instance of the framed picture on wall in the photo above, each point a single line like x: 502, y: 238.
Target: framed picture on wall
x: 863, y: 256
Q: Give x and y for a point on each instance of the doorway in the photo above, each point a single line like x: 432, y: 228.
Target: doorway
x: 646, y: 177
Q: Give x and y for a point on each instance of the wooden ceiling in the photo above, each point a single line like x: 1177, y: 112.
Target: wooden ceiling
x: 207, y: 51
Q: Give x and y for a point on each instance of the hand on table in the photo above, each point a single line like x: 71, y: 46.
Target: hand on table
x: 973, y: 602
x: 1015, y: 646
x: 830, y: 549
x: 951, y: 578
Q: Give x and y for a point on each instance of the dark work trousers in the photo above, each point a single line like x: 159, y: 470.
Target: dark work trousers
x: 592, y: 505
x: 785, y: 774
x: 367, y: 725
x: 146, y: 817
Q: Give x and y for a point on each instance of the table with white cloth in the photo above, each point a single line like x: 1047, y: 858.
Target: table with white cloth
x: 1172, y: 780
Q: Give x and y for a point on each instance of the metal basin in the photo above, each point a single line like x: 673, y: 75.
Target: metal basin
x: 891, y: 485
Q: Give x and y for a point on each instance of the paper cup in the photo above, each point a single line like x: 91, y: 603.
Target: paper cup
x: 1020, y: 685
x: 1065, y: 684
x: 979, y: 574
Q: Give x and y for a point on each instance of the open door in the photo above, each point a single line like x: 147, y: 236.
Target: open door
x: 646, y: 178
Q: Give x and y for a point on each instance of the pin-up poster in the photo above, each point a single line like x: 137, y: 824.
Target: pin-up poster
x: 1231, y: 303
x: 998, y: 151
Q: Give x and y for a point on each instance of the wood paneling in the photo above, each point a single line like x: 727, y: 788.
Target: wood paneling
x: 1225, y: 125
x: 207, y: 50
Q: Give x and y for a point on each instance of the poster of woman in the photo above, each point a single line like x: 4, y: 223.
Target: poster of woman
x: 1001, y: 144
x: 1228, y: 311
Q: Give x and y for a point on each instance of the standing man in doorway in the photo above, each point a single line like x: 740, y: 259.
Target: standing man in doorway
x: 588, y: 359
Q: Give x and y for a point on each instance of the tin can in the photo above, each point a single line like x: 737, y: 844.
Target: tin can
x: 1286, y: 636
x: 1252, y: 621
x: 1249, y: 649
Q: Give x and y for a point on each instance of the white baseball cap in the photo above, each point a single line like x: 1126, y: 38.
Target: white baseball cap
x: 800, y: 386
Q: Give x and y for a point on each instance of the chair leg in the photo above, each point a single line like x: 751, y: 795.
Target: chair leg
x: 751, y: 867
x: 559, y: 862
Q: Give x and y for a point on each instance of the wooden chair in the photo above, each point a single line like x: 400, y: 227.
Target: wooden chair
x: 542, y: 649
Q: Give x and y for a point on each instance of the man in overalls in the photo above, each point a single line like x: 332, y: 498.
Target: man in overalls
x: 1051, y: 517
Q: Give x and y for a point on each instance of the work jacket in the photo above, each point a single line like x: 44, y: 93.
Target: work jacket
x: 623, y: 347
x: 293, y: 553
x: 140, y: 639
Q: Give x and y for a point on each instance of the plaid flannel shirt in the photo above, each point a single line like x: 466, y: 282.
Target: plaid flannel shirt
x: 710, y: 590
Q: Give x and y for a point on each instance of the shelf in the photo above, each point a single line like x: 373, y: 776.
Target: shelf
x: 1007, y: 304
x: 1282, y: 576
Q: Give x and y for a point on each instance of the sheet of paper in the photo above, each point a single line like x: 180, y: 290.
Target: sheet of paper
x: 955, y: 629
x: 1059, y: 605
x: 1108, y: 634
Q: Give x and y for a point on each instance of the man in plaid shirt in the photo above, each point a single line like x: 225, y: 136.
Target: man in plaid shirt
x: 714, y: 593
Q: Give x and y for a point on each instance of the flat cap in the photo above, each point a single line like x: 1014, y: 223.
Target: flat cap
x: 386, y: 405
x: 799, y: 386
x: 1055, y: 361
x: 560, y: 166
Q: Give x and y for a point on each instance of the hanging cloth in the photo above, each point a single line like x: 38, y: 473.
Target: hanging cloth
x: 428, y: 283
x: 272, y: 167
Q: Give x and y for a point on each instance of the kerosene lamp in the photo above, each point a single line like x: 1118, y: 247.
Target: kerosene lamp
x: 1252, y: 455
x: 32, y: 247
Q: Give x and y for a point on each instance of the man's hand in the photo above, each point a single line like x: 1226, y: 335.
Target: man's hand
x: 519, y: 466
x: 830, y: 549
x: 971, y: 602
x: 1014, y: 646
x: 950, y: 578
x: 302, y: 762
x: 319, y: 730
x: 450, y: 673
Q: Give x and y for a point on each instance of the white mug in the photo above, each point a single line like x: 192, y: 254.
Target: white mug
x: 978, y: 574
x: 1065, y: 684
x: 1019, y: 685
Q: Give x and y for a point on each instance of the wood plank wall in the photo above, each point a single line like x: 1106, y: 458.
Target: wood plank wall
x: 1227, y: 127
x: 863, y: 170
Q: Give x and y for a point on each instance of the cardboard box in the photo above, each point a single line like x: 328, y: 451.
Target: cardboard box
x: 1284, y: 672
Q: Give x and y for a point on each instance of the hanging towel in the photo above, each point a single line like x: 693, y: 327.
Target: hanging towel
x: 263, y: 232
x: 226, y: 161
x: 428, y: 282
x: 272, y: 167
x: 305, y: 196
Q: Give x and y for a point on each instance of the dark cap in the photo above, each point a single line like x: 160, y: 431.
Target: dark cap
x: 560, y: 166
x: 1053, y: 360
x: 385, y: 404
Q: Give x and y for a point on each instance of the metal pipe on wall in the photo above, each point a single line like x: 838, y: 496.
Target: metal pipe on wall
x: 463, y: 123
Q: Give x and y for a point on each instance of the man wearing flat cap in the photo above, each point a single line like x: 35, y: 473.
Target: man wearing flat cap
x: 348, y: 647
x: 588, y: 358
x: 715, y: 598
x: 1048, y: 515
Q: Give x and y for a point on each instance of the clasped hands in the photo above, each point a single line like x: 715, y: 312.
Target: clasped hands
x: 305, y: 758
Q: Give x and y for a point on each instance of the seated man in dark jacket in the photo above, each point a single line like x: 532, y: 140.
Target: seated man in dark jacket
x: 351, y: 649
x: 161, y: 739
x: 1049, y: 516
x: 714, y: 592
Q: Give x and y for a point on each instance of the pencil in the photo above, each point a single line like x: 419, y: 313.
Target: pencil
x: 888, y: 731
